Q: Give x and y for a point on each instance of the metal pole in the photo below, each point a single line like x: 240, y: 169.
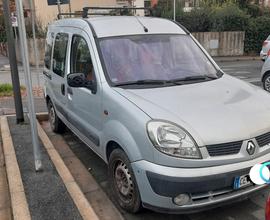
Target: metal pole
x: 33, y: 16
x: 174, y: 10
x: 13, y: 63
x: 69, y: 7
x: 59, y: 7
x: 31, y: 107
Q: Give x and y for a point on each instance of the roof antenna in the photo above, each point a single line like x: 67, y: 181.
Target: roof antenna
x: 144, y: 28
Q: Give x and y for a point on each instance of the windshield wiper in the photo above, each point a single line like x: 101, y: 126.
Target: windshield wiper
x: 164, y: 82
x: 142, y: 82
x: 194, y: 78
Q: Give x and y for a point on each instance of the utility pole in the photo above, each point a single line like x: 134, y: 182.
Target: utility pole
x: 69, y: 7
x: 59, y: 7
x: 33, y: 18
x: 174, y: 5
x: 13, y: 63
x: 31, y: 107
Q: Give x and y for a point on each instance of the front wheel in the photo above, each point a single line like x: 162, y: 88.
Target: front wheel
x: 123, y: 182
x: 266, y: 82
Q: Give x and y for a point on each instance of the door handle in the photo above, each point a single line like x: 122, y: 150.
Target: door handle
x: 63, y: 89
x: 69, y: 91
x: 48, y: 75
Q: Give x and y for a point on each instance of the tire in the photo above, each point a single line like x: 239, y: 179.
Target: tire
x: 266, y: 82
x: 57, y: 125
x: 123, y: 182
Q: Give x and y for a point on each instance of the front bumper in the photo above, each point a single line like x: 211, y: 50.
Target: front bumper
x: 208, y: 187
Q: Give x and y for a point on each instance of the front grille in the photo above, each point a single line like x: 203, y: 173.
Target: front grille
x: 263, y: 139
x: 224, y: 149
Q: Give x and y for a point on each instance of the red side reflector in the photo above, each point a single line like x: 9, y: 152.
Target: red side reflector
x: 265, y: 43
x: 267, y: 209
x: 268, y: 54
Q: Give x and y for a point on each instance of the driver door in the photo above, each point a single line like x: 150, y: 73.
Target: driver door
x: 84, y: 105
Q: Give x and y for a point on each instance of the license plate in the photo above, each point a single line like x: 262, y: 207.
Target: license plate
x: 241, y: 181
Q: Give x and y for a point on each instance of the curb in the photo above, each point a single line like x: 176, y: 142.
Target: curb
x: 84, y: 207
x: 19, y: 205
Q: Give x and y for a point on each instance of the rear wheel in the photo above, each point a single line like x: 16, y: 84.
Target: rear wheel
x: 266, y: 82
x: 56, y: 124
x: 123, y: 182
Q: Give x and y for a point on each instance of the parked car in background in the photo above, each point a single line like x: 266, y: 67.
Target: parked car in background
x: 265, y: 49
x: 265, y: 75
x: 178, y: 134
x: 267, y: 209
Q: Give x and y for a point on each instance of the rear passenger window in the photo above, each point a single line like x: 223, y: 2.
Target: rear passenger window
x: 59, y: 54
x: 48, y: 51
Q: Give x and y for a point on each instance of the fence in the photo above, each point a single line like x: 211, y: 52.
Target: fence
x: 222, y: 43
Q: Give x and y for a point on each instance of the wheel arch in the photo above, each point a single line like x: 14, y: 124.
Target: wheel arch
x: 47, y: 97
x: 119, y: 137
x: 265, y: 74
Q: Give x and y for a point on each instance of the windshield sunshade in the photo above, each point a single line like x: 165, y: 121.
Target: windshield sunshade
x: 154, y: 57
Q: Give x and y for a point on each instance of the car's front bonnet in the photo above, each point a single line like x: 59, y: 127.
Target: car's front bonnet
x: 217, y: 111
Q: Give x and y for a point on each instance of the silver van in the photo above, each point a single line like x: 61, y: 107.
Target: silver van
x: 177, y: 133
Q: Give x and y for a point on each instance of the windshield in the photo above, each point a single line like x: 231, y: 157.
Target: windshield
x: 154, y: 58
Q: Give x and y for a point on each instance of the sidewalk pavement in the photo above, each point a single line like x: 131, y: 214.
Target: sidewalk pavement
x: 7, y: 106
x: 4, y: 64
x: 47, y: 196
x: 236, y: 58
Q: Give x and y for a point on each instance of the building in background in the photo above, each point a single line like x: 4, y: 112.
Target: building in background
x: 46, y: 14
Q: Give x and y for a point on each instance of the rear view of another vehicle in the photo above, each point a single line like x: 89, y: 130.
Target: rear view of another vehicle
x: 265, y: 49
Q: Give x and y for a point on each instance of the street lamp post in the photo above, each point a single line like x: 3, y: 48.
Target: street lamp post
x: 33, y: 16
x: 31, y: 107
x: 59, y: 6
x: 174, y: 4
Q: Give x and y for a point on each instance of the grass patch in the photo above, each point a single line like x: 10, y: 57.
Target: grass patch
x: 6, y: 89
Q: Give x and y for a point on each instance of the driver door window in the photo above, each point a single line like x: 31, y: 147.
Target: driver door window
x: 81, y: 59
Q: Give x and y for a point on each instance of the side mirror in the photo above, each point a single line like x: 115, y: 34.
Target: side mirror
x: 78, y: 80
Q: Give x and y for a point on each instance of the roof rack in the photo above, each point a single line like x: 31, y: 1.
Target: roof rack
x: 121, y: 10
x: 79, y: 14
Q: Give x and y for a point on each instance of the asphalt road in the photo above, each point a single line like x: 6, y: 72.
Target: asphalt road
x: 249, y: 71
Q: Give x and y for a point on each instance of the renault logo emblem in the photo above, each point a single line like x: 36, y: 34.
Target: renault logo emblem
x: 250, y: 148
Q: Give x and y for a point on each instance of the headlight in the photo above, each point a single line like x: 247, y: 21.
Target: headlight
x: 172, y: 140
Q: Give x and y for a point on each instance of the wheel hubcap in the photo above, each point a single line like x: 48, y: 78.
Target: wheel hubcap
x: 267, y: 84
x: 123, y: 181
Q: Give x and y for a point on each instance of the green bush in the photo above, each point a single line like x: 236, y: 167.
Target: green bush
x: 229, y: 17
x: 256, y: 32
x: 254, y: 10
x: 215, y: 17
x: 6, y: 89
x: 198, y: 20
